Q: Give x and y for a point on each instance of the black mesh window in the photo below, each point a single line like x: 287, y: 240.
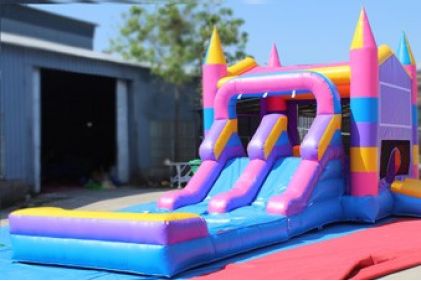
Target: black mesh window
x: 387, y: 147
x: 307, y: 112
x: 248, y: 114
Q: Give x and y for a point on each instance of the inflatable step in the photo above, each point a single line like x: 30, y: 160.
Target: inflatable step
x: 410, y: 187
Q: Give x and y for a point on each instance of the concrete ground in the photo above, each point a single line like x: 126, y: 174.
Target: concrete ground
x: 81, y: 198
x: 114, y: 199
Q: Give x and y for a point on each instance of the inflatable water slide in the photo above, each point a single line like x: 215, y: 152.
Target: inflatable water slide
x: 280, y: 186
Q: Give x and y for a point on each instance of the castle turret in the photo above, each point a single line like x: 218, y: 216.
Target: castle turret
x: 215, y: 68
x: 364, y: 95
x: 275, y: 104
x: 406, y: 57
x: 274, y: 57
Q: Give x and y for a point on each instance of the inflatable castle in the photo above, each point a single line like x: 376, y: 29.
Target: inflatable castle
x: 280, y: 186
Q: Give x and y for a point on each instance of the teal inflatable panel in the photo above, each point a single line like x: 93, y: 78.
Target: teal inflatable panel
x: 161, y: 260
x: 224, y: 182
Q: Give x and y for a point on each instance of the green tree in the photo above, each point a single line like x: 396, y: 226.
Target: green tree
x: 172, y: 36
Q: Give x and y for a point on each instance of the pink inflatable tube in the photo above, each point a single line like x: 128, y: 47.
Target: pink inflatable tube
x: 200, y: 184
x: 299, y: 190
x: 328, y: 100
x: 246, y: 187
x: 243, y: 190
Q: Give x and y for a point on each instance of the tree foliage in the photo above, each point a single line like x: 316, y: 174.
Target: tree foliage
x: 172, y: 36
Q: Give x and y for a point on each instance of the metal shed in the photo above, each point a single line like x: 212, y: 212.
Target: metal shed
x: 143, y: 106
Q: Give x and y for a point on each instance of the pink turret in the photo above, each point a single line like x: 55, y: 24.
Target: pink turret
x: 215, y: 68
x: 276, y: 103
x: 364, y: 93
x: 274, y: 57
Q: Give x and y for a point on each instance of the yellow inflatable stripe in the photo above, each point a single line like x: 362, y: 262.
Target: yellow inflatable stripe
x: 237, y: 69
x: 415, y: 155
x: 337, y: 74
x: 224, y: 80
x: 229, y: 129
x: 383, y: 53
x: 332, y: 127
x: 410, y: 187
x: 358, y: 39
x: 341, y: 74
x: 242, y: 66
x: 364, y: 159
x: 58, y: 212
x: 278, y: 128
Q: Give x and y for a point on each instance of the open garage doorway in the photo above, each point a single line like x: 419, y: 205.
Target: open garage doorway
x: 78, y: 127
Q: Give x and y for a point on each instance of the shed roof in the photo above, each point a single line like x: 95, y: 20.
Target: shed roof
x: 35, y: 16
x: 34, y: 43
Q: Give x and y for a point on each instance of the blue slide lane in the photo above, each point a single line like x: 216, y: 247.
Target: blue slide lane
x: 275, y: 183
x: 224, y: 182
x: 248, y: 227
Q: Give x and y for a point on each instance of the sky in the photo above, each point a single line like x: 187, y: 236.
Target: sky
x: 305, y: 31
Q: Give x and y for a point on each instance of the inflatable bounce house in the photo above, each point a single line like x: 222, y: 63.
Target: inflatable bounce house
x: 280, y: 186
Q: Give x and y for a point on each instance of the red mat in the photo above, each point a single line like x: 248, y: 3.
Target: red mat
x: 366, y: 254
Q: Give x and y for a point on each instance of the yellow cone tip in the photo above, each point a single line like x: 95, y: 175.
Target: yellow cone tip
x: 215, y: 53
x: 363, y: 35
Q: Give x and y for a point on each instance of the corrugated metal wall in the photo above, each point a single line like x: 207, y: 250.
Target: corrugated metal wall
x: 150, y: 103
x: 14, y: 101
